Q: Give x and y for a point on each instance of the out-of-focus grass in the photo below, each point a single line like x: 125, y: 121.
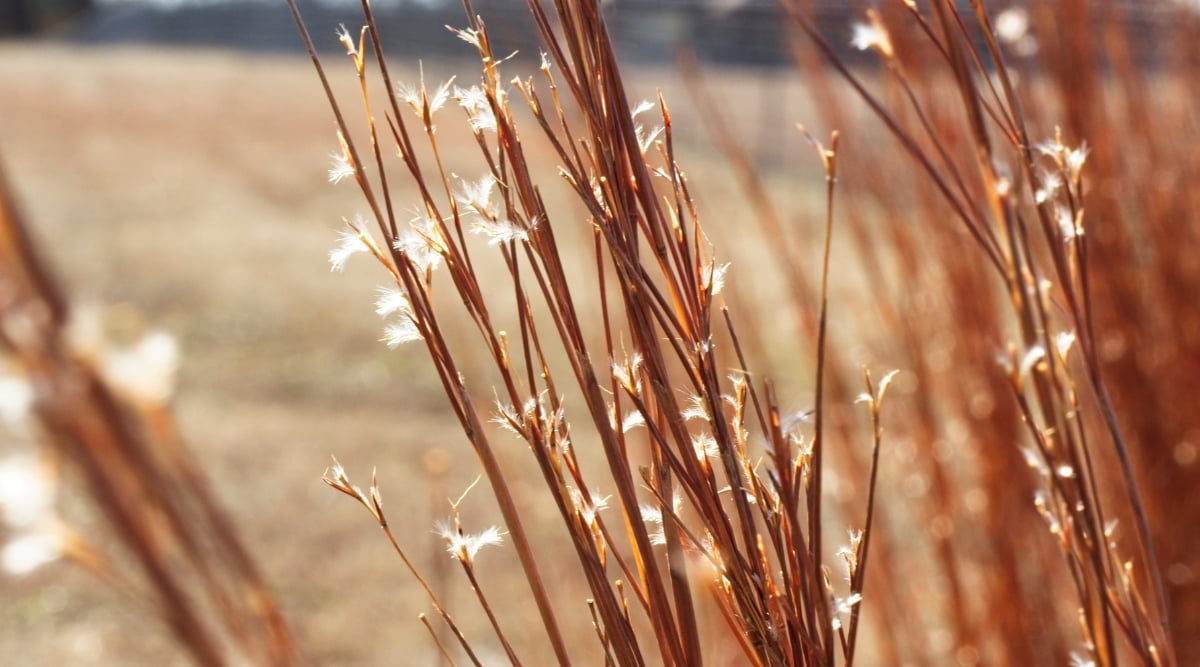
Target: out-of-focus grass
x: 181, y: 191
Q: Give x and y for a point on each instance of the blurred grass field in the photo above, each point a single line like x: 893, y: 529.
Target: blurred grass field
x: 186, y: 191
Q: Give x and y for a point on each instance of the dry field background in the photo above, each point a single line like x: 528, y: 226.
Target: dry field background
x: 186, y: 191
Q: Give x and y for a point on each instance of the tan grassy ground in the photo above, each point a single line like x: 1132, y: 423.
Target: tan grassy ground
x: 187, y: 191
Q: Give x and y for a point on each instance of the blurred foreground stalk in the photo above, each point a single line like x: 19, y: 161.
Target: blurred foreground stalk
x: 122, y: 443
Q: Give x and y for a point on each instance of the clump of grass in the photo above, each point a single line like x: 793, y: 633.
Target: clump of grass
x: 718, y: 490
x: 1022, y: 201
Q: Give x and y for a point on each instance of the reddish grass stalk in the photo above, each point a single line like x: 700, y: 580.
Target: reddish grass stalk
x: 126, y: 448
x: 665, y: 280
